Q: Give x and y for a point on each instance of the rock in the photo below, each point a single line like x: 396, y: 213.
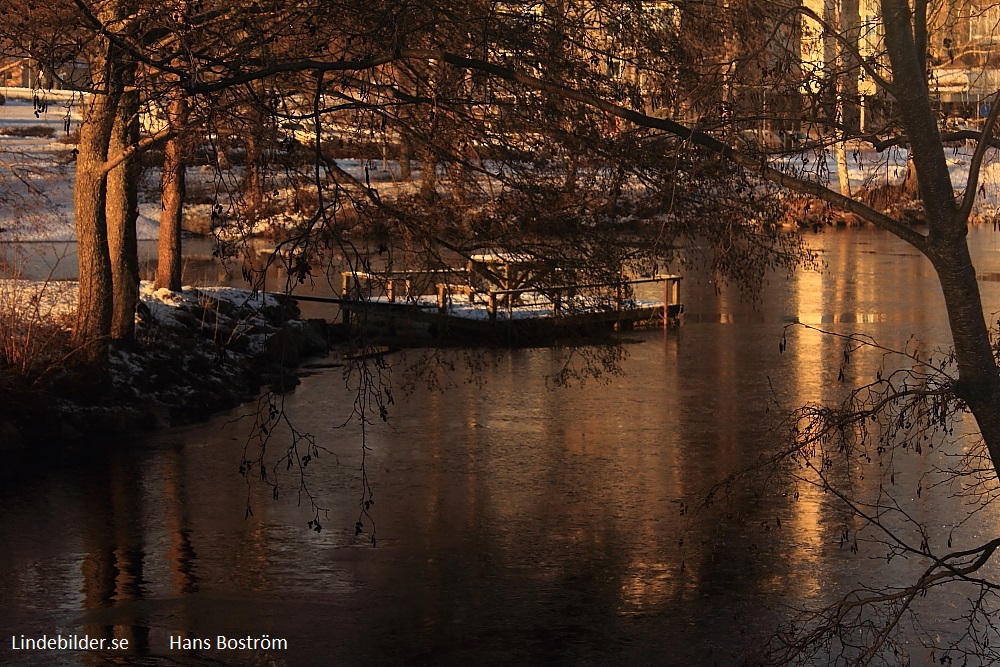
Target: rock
x: 315, y: 342
x: 284, y: 347
x: 195, y: 357
x: 185, y: 320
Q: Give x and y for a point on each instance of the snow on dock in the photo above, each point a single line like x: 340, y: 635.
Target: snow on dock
x: 498, y: 299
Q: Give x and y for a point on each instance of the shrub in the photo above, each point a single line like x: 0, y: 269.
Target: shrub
x: 71, y: 139
x: 34, y: 328
x: 41, y: 131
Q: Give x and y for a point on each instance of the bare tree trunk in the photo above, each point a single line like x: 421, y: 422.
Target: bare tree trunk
x: 174, y: 189
x: 911, y: 184
x: 105, y: 116
x: 253, y: 179
x: 94, y: 308
x: 850, y: 26
x: 830, y: 58
x: 847, y: 88
x: 946, y: 245
x: 122, y: 213
x: 428, y: 177
x: 843, y: 175
x: 405, y: 155
x: 255, y: 165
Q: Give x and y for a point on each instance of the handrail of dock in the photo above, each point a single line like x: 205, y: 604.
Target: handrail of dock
x: 546, y: 288
x: 401, y: 273
x: 305, y: 297
x: 668, y: 278
x: 671, y: 293
x: 389, y: 278
x: 493, y: 298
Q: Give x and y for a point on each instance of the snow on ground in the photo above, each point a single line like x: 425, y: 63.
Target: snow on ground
x: 37, y: 174
x: 55, y: 300
x: 162, y: 302
x: 868, y: 168
x: 35, y: 178
x: 233, y: 316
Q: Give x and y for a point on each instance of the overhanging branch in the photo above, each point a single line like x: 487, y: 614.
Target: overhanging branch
x: 969, y: 198
x: 750, y: 162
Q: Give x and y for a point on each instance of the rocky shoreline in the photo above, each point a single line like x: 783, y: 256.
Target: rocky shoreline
x: 197, y: 352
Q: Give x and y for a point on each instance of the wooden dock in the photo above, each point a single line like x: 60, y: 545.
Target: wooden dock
x: 505, y: 305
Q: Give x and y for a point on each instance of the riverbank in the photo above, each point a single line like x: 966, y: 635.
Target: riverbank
x: 196, y: 352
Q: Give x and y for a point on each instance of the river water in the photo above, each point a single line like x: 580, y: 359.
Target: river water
x: 516, y: 520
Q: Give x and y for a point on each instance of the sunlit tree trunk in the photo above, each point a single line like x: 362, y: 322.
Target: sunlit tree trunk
x: 94, y: 309
x: 848, y: 112
x: 843, y: 172
x: 104, y: 258
x: 174, y: 189
x: 850, y: 77
x: 428, y: 176
x: 123, y: 212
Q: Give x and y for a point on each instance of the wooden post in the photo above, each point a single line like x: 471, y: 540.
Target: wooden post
x: 666, y: 302
x: 389, y: 291
x: 442, y: 296
x: 492, y: 306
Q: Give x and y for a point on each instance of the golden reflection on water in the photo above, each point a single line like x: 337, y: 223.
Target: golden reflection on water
x: 838, y: 300
x: 646, y: 586
x: 817, y: 299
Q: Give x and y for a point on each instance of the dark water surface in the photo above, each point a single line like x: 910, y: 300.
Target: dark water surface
x: 517, y: 522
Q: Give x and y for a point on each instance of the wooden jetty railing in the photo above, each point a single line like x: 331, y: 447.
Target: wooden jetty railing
x: 495, y: 299
x: 671, y: 294
x: 389, y: 279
